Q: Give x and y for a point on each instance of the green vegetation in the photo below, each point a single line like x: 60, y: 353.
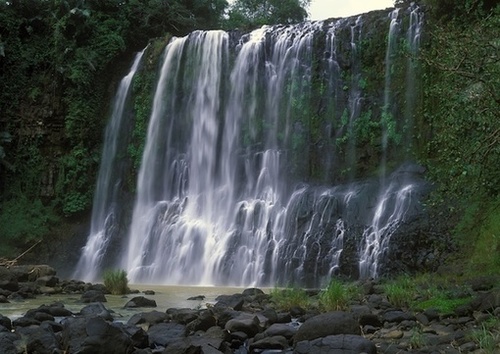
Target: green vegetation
x: 287, y: 298
x: 337, y: 296
x: 460, y: 108
x: 116, y: 281
x: 487, y: 335
x: 22, y: 223
x: 249, y: 14
x: 426, y: 291
x: 401, y: 291
x: 59, y: 63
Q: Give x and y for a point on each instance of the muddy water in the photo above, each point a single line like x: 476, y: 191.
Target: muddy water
x: 165, y: 297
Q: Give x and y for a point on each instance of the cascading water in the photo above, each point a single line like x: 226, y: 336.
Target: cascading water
x: 105, y: 208
x: 248, y: 175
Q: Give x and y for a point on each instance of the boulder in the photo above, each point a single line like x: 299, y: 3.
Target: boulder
x: 338, y: 344
x: 269, y: 343
x: 148, y: 318
x: 487, y: 302
x: 281, y: 329
x: 234, y: 301
x: 25, y: 273
x: 95, y: 335
x: 39, y: 339
x: 96, y: 309
x: 197, y: 298
x: 397, y: 316
x: 140, y: 301
x: 47, y: 281
x: 7, y: 343
x: 6, y: 322
x: 203, y: 322
x: 330, y: 323
x: 163, y: 334
x: 247, y: 324
x: 183, y: 316
x: 93, y: 296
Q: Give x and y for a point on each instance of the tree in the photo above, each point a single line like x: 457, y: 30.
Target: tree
x: 248, y: 14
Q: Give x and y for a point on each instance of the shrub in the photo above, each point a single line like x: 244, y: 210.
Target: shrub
x: 116, y: 281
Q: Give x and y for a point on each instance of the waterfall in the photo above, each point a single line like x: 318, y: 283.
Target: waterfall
x: 104, y: 209
x: 251, y: 170
x: 412, y: 46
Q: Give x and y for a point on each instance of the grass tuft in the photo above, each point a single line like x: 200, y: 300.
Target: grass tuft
x: 116, y: 281
x: 285, y: 299
x: 336, y: 296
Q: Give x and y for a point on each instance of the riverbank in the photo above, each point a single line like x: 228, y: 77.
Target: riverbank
x: 380, y: 317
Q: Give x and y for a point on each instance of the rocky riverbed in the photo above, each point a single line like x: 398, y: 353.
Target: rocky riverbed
x: 246, y: 322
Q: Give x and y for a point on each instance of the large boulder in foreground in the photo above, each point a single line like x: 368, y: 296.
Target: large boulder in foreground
x: 95, y: 335
x: 326, y: 324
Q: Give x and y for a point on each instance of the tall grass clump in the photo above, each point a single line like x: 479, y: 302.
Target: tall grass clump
x: 337, y: 295
x: 487, y: 336
x: 401, y: 291
x: 288, y: 298
x: 116, y: 281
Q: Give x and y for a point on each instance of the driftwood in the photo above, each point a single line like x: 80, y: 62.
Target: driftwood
x: 4, y: 262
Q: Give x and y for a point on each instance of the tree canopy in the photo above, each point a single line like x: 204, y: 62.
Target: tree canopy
x: 255, y: 13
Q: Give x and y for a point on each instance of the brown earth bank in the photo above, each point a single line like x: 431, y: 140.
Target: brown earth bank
x: 247, y: 322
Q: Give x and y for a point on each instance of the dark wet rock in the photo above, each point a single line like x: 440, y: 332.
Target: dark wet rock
x: 48, y: 281
x: 245, y: 323
x: 149, y: 292
x: 234, y: 301
x: 203, y: 322
x: 96, y: 309
x: 10, y: 285
x: 297, y: 311
x: 397, y: 316
x: 7, y: 343
x: 338, y: 344
x: 273, y: 342
x: 252, y: 292
x: 39, y: 339
x: 183, y: 316
x: 54, y: 326
x: 25, y: 322
x: 326, y: 324
x: 370, y: 319
x: 148, y: 318
x: 281, y: 329
x: 197, y: 298
x: 139, y: 337
x: 27, y: 273
x: 163, y: 334
x: 94, y: 335
x: 93, y: 296
x: 484, y: 283
x: 140, y: 301
x: 283, y: 317
x: 224, y: 315
x: 487, y: 302
x: 6, y: 322
x: 431, y: 314
x: 210, y: 342
x: 271, y: 316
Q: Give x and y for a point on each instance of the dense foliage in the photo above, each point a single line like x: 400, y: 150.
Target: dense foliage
x: 255, y: 13
x: 56, y: 82
x: 461, y: 100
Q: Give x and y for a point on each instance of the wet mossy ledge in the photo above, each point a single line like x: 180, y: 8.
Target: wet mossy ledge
x: 422, y: 314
